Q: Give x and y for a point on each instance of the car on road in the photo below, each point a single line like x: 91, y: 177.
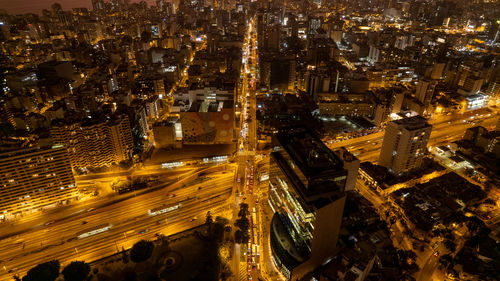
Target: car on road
x: 161, y: 222
x: 436, y: 254
x: 485, y: 216
x: 144, y: 231
x: 84, y: 222
x: 90, y: 210
x: 50, y: 222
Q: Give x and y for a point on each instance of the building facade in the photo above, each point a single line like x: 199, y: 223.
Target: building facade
x: 306, y: 193
x: 351, y: 164
x: 206, y: 115
x: 405, y: 144
x: 34, y: 178
x: 95, y: 143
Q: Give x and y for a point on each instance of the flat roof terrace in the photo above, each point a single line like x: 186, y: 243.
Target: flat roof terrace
x: 309, y: 153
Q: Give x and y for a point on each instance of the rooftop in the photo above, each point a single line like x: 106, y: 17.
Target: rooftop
x: 310, y: 154
x: 323, y: 176
x: 413, y: 123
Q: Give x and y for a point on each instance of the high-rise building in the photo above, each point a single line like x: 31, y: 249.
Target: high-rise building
x: 473, y: 84
x: 425, y: 91
x: 34, y: 178
x: 98, y: 5
x: 351, y: 164
x: 313, y: 25
x: 405, y: 144
x: 306, y: 193
x: 271, y: 38
x: 437, y: 70
x: 95, y: 143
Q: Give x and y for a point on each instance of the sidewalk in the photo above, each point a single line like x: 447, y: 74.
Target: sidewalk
x: 268, y: 269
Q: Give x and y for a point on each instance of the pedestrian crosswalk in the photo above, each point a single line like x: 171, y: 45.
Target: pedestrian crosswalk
x: 247, y: 153
x: 242, y: 274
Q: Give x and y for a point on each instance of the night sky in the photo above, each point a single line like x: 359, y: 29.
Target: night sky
x: 36, y: 6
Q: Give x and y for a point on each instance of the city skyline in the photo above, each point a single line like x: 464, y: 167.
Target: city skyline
x: 27, y: 6
x: 250, y: 140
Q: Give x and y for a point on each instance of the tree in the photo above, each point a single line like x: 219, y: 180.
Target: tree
x: 225, y: 273
x: 411, y: 255
x: 407, y: 261
x: 141, y: 251
x: 490, y: 201
x: 125, y: 164
x: 450, y: 245
x: 241, y: 237
x: 209, y: 220
x: 242, y: 223
x: 474, y: 225
x: 47, y: 271
x: 243, y: 213
x: 243, y: 210
x: 412, y: 268
x: 445, y: 260
x: 76, y: 271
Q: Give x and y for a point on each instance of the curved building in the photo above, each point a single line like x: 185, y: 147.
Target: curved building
x: 306, y: 192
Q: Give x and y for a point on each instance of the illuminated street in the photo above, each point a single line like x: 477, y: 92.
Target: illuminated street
x: 246, y: 262
x: 127, y: 218
x: 445, y: 130
x: 269, y: 140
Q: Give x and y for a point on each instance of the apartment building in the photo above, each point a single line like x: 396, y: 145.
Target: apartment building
x: 405, y: 144
x: 33, y: 178
x: 95, y: 142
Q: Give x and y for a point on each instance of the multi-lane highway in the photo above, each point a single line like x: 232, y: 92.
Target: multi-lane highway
x: 165, y: 176
x: 52, y: 234
x: 445, y: 129
x: 130, y: 222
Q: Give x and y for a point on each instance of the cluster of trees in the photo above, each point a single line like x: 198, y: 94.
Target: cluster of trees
x: 474, y: 225
x: 468, y: 255
x: 241, y: 235
x: 408, y: 261
x: 141, y: 251
x: 49, y: 271
x: 446, y: 261
x: 79, y: 270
